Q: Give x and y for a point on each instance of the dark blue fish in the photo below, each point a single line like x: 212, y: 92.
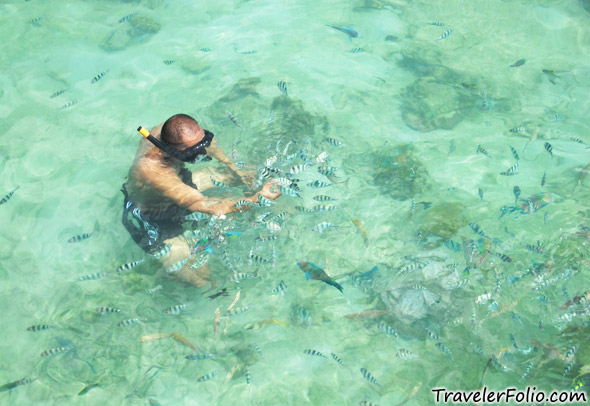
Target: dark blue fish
x: 348, y: 31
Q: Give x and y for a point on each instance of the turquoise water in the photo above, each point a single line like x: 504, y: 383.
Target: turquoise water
x: 411, y: 111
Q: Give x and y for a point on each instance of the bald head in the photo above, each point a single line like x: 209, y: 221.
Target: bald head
x: 182, y: 129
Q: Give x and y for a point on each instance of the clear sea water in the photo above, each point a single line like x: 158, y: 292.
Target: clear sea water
x: 411, y: 110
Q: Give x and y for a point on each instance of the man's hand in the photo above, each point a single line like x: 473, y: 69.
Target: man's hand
x: 270, y: 191
x: 223, y: 207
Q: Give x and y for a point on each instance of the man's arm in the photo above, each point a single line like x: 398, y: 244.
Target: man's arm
x: 171, y: 186
x: 215, y: 151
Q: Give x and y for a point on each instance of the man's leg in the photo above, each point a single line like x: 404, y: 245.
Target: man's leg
x: 179, y: 250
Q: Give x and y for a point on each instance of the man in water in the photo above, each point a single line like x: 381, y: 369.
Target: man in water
x: 160, y: 191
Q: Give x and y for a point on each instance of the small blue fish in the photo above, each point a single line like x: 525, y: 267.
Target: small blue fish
x: 348, y: 31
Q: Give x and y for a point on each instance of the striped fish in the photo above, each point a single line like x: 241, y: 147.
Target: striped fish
x: 445, y: 34
x: 128, y: 17
x: 336, y: 358
x: 99, y: 76
x: 510, y: 171
x: 279, y: 289
x: 35, y: 21
x: 290, y: 191
x: 544, y: 178
x: 128, y: 266
x: 128, y: 322
x: 444, y: 349
x: 57, y: 93
x: 314, y: 353
x: 175, y: 309
x: 549, y: 149
x: 504, y: 258
x: 356, y: 50
x: 80, y: 237
x: 514, y: 153
x: 93, y: 276
x: 476, y: 228
x: 102, y: 310
x: 237, y: 311
x: 387, y: 329
x: 242, y: 202
x: 216, y: 183
x: 152, y: 290
x: 516, y: 191
x: 282, y: 87
x: 432, y: 335
x: 405, y: 354
x: 69, y: 104
x: 39, y: 327
x: 318, y: 184
x: 177, y: 266
x: 163, y: 252
x: 234, y: 120
x: 571, y: 352
x: 334, y: 142
x: 168, y: 62
x: 209, y: 376
x: 367, y: 375
x: 322, y: 208
x: 323, y: 198
x: 481, y: 150
x: 298, y: 169
x: 53, y: 351
x: 239, y: 276
x: 257, y: 260
x: 267, y: 238
x: 321, y: 157
x: 10, y: 386
x: 518, y: 130
x: 263, y: 201
x: 321, y: 227
x: 198, y: 357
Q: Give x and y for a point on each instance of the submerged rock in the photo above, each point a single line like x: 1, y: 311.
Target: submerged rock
x: 429, y: 105
x: 440, y: 223
x: 396, y: 171
x: 137, y: 30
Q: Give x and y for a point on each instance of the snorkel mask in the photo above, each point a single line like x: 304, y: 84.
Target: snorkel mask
x: 189, y: 155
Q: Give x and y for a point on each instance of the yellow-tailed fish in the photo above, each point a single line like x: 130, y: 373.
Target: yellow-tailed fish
x: 359, y: 226
x: 369, y: 314
x: 183, y: 340
x: 231, y: 306
x: 87, y: 388
x: 231, y: 373
x: 410, y: 395
x: 216, y: 319
x: 153, y: 337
